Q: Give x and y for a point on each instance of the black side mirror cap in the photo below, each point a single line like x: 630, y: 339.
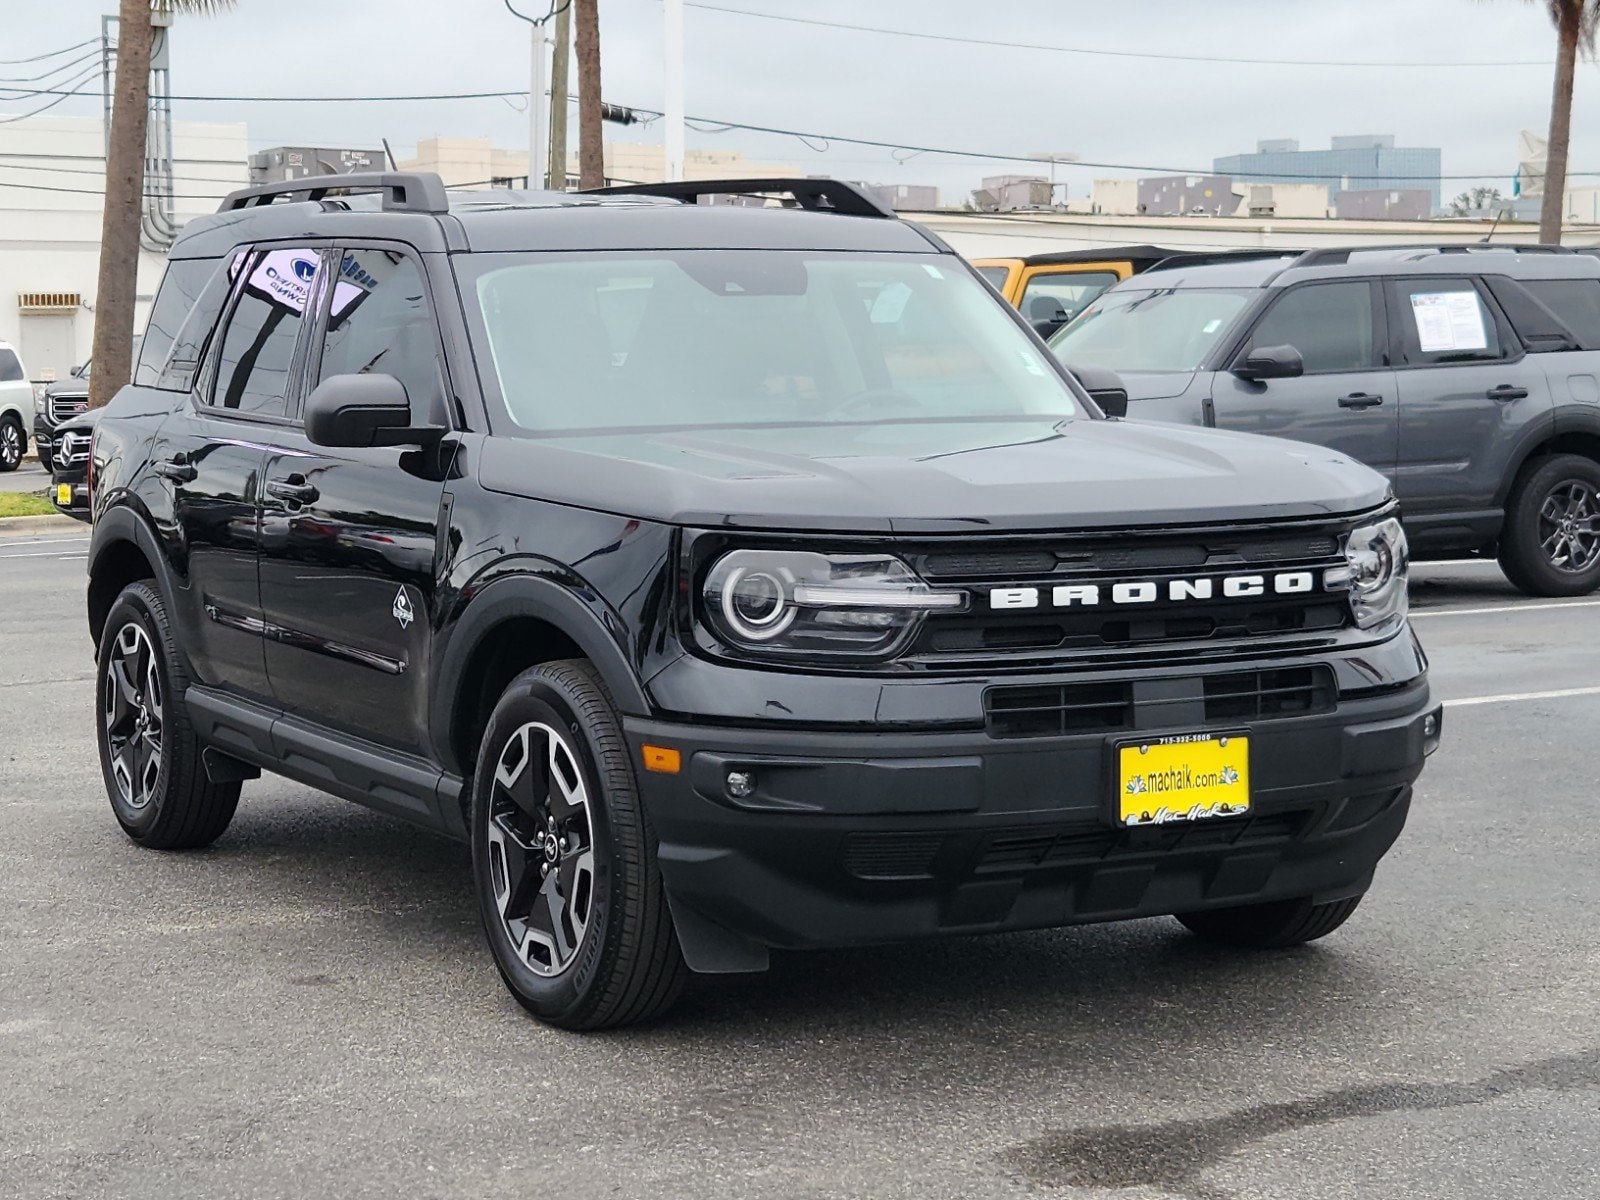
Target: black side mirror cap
x: 1270, y: 362
x: 1105, y: 388
x: 364, y: 410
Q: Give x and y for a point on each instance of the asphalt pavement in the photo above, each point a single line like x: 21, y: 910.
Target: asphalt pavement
x: 307, y: 1008
x: 29, y: 477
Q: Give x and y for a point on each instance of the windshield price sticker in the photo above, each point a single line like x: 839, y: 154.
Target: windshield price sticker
x: 1449, y: 321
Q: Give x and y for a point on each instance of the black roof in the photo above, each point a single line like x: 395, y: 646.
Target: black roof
x: 1135, y: 254
x: 418, y: 210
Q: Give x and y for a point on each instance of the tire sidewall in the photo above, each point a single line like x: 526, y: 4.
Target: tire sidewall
x: 564, y: 996
x: 133, y: 607
x: 9, y: 425
x: 1532, y: 568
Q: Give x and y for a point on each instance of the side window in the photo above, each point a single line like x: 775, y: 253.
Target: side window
x: 1331, y: 324
x: 379, y: 321
x: 10, y: 366
x: 189, y: 344
x: 1063, y: 295
x: 1444, y: 321
x: 253, y: 368
x: 180, y: 287
x: 995, y: 275
x: 1575, y: 301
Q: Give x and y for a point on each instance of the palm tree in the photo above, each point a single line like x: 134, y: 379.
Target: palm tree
x: 1576, y: 23
x: 124, y: 200
x: 591, y: 154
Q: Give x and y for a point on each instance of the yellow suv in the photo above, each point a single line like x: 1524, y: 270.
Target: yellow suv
x: 1051, y: 289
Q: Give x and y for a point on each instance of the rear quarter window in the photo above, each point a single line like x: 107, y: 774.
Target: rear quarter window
x: 1575, y: 301
x: 185, y: 279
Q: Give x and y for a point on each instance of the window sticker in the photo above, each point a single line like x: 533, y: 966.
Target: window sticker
x: 1449, y: 321
x: 890, y: 304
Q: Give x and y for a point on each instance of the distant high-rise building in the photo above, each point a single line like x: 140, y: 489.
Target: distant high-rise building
x: 1353, y: 163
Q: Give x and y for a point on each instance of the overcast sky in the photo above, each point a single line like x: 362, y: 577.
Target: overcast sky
x: 898, y: 89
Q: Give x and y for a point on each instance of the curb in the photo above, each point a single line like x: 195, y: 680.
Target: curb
x: 40, y: 524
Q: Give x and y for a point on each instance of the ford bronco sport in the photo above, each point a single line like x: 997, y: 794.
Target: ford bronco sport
x: 730, y: 578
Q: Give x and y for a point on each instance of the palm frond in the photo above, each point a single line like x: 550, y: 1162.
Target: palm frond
x: 197, y: 8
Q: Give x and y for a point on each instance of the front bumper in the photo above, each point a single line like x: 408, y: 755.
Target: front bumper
x: 853, y: 838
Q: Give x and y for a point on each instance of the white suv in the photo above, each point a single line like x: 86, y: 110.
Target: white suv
x: 16, y: 402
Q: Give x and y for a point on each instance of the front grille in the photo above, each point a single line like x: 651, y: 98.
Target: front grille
x: 1059, y: 709
x: 62, y: 408
x: 73, y: 449
x: 1030, y: 849
x: 983, y: 633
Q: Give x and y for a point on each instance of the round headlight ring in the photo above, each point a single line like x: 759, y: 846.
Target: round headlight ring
x: 756, y: 604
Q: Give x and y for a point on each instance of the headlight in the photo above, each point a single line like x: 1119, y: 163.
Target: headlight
x: 1377, y: 558
x: 801, y: 603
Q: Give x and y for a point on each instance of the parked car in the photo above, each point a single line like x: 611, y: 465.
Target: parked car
x: 1465, y: 374
x: 69, y: 473
x: 58, y: 402
x: 729, y: 578
x: 16, y: 400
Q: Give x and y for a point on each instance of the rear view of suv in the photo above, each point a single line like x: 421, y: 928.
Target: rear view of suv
x: 1470, y: 376
x: 730, y: 578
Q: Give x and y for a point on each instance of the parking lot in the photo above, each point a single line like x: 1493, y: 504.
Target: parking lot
x: 307, y: 1008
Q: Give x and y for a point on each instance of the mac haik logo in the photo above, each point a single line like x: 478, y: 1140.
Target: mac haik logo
x: 403, y: 611
x: 1152, y: 591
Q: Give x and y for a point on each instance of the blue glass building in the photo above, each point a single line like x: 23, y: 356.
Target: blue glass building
x: 1350, y: 163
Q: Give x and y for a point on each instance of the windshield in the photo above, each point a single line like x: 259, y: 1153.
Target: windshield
x: 689, y: 339
x: 1171, y: 329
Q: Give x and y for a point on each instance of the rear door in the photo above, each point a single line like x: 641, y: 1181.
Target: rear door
x: 212, y: 452
x: 1346, y: 398
x: 1468, y: 390
x: 350, y: 537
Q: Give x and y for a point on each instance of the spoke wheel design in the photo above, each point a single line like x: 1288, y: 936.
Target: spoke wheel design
x: 135, y: 717
x: 541, y: 848
x: 10, y: 445
x: 1569, y: 526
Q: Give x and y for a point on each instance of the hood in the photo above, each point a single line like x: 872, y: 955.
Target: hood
x: 935, y: 477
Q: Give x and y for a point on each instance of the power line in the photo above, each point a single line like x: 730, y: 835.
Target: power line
x: 77, y: 90
x: 58, y: 69
x: 1200, y: 58
x: 308, y: 99
x: 15, y: 62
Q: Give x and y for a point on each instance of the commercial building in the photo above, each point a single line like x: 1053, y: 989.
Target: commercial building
x: 1360, y: 163
x: 283, y: 163
x: 52, y: 171
x: 1187, y: 195
x: 1383, y: 204
x: 905, y: 197
x: 1007, y: 193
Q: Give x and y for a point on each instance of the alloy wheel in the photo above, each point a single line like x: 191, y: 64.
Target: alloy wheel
x: 134, y: 715
x: 1569, y: 526
x: 541, y: 848
x: 10, y: 445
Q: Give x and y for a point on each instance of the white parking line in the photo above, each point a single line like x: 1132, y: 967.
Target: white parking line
x: 42, y: 554
x: 1503, y: 608
x: 1512, y: 697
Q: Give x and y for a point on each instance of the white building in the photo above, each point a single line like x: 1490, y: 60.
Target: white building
x: 52, y: 171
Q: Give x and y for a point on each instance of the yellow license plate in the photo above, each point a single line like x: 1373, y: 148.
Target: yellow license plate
x: 1192, y: 777
x: 64, y: 495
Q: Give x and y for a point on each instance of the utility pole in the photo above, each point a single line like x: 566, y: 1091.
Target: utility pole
x: 673, y: 10
x: 536, y: 109
x: 591, y: 153
x: 559, y: 88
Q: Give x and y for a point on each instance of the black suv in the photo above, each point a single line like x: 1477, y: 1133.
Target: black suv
x: 1467, y: 374
x: 59, y: 402
x: 730, y: 577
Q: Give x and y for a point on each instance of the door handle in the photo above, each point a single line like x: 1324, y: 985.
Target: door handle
x: 1507, y: 391
x: 1359, y: 400
x: 294, y: 489
x: 178, y: 468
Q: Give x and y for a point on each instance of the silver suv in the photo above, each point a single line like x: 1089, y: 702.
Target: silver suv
x: 1469, y: 375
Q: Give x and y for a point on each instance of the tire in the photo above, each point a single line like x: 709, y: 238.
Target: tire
x: 46, y: 459
x: 149, y: 754
x: 1271, y: 926
x: 1551, y: 542
x: 13, y: 443
x: 587, y: 942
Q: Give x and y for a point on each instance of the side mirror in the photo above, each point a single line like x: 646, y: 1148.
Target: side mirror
x: 1270, y: 362
x: 1105, y: 388
x: 364, y: 410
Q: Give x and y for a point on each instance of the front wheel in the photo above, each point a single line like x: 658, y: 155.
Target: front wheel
x: 564, y: 860
x: 1270, y: 926
x: 13, y: 442
x: 1551, y: 542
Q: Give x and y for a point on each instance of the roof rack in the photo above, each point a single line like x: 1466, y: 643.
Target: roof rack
x: 420, y: 192
x: 1341, y: 254
x: 814, y: 195
x: 1206, y: 258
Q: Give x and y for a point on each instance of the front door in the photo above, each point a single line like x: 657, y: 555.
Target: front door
x: 1346, y: 399
x: 1467, y: 389
x: 350, y: 537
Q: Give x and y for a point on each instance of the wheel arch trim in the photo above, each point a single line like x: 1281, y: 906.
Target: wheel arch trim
x: 121, y: 526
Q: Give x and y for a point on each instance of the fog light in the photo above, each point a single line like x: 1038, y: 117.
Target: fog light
x: 741, y: 784
x: 1430, y: 726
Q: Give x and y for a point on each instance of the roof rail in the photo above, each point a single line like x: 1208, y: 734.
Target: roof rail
x: 406, y: 191
x: 814, y: 195
x: 1341, y: 254
x: 1206, y: 258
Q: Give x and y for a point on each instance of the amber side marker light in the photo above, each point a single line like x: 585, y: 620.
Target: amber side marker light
x: 662, y: 759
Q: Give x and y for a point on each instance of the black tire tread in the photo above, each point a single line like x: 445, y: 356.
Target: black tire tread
x: 1272, y: 926
x: 194, y: 811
